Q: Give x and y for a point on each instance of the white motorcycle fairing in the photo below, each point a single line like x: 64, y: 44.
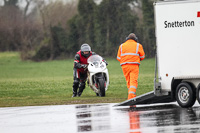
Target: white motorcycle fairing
x: 97, y: 70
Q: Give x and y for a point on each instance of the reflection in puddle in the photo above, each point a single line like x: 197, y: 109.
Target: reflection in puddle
x: 151, y: 119
x: 89, y: 117
x: 134, y: 121
x: 168, y: 118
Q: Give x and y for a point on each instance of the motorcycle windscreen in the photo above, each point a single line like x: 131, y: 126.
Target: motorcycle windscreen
x: 94, y: 58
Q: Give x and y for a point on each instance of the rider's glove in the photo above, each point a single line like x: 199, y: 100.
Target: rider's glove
x: 105, y: 62
x: 84, y: 66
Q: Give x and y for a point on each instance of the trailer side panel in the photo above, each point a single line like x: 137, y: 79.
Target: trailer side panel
x: 178, y: 40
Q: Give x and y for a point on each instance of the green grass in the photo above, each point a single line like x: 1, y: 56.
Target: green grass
x: 25, y: 83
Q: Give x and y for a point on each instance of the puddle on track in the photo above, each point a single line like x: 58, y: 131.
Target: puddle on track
x: 100, y: 118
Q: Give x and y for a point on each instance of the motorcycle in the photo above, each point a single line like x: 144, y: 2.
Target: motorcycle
x: 98, y: 78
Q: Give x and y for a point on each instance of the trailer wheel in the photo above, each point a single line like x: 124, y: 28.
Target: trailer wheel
x: 198, y: 95
x: 185, y: 95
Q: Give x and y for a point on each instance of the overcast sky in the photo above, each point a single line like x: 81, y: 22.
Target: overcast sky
x: 22, y: 2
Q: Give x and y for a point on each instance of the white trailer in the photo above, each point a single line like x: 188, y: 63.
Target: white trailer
x: 177, y: 74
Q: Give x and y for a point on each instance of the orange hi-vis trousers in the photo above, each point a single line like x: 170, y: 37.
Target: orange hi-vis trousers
x: 131, y: 72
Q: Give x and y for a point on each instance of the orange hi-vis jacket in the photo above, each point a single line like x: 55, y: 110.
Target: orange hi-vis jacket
x: 129, y: 55
x: 130, y: 52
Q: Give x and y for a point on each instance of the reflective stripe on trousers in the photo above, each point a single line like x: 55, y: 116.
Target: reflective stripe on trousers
x: 131, y: 72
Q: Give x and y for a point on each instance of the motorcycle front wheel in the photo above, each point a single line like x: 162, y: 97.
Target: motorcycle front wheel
x: 101, y: 87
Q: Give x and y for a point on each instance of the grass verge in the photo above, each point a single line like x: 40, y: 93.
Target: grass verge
x: 27, y: 83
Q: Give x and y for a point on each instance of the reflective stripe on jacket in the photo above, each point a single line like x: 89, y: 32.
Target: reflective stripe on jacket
x: 130, y: 52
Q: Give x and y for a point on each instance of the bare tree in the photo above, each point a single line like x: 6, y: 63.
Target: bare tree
x: 28, y: 28
x: 28, y: 2
x: 10, y: 24
x: 55, y: 13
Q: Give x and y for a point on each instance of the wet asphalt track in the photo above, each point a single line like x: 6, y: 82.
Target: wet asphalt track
x: 100, y: 118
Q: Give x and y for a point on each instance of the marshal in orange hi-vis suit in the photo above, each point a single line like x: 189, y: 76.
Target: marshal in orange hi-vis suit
x: 130, y: 53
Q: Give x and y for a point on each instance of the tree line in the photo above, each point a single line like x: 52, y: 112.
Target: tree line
x: 57, y: 29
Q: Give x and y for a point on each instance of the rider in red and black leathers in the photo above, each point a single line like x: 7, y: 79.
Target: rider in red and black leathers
x: 80, y: 69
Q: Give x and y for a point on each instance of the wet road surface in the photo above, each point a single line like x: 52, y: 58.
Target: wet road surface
x: 100, y: 118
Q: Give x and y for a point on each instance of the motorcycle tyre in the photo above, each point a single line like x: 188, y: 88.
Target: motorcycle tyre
x: 101, y: 88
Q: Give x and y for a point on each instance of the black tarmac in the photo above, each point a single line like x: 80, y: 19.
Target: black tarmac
x: 100, y: 118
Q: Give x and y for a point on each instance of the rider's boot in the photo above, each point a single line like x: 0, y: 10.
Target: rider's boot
x: 75, y: 88
x: 81, y: 88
